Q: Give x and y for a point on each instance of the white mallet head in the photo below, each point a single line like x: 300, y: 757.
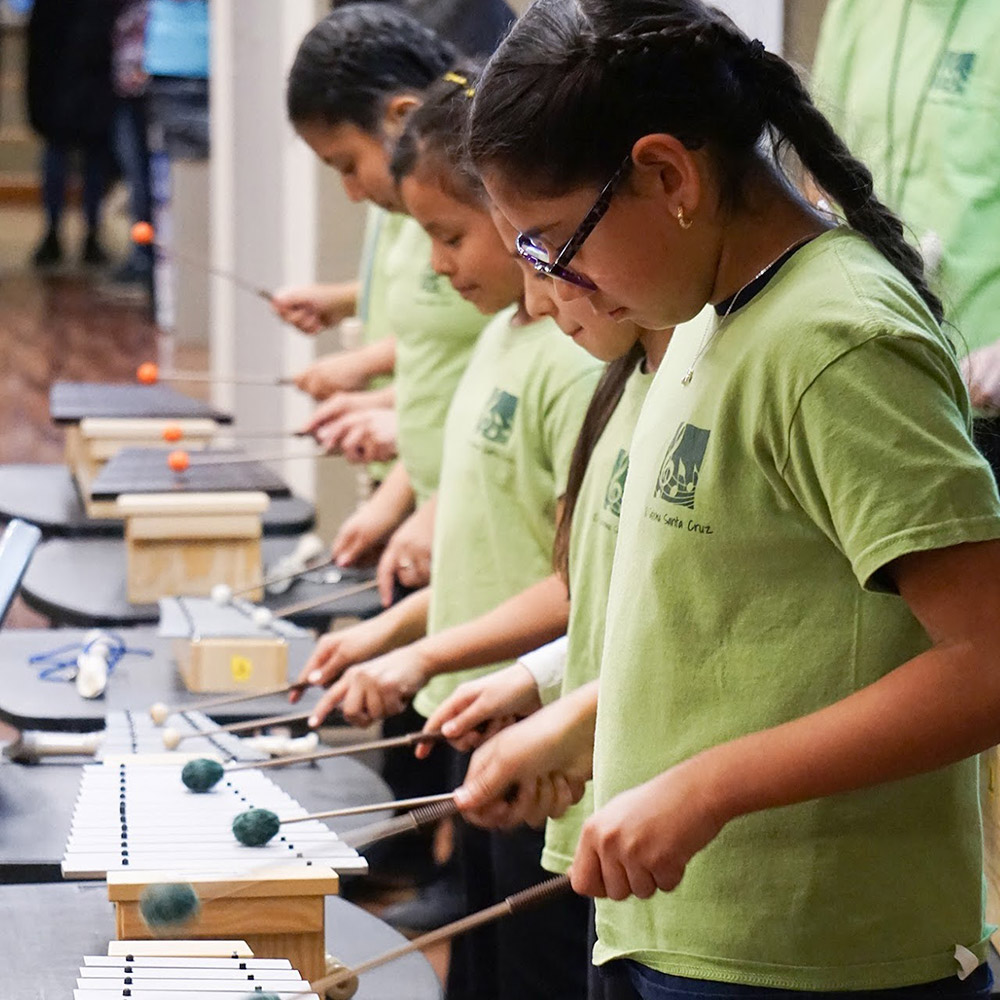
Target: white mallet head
x: 263, y: 617
x: 222, y: 594
x: 158, y: 713
x: 171, y: 738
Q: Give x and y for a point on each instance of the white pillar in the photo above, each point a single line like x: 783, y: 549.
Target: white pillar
x: 264, y: 215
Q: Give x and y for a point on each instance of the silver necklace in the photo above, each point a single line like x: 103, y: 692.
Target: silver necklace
x: 709, y: 336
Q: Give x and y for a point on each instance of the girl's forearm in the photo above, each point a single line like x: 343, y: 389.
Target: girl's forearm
x: 932, y: 711
x: 523, y: 623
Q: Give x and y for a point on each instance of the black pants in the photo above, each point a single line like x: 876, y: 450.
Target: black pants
x: 540, y: 954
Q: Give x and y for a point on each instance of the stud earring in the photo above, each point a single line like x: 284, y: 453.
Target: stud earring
x: 682, y: 220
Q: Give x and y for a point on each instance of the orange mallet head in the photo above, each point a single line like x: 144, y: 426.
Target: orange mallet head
x: 179, y: 461
x: 172, y: 433
x: 143, y: 234
x: 148, y: 373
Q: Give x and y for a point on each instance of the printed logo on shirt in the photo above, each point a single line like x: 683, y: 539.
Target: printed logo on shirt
x: 953, y: 74
x: 430, y: 282
x: 497, y: 420
x: 678, y: 478
x: 616, y: 484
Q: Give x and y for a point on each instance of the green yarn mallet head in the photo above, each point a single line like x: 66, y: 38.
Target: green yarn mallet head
x: 168, y: 904
x: 261, y: 996
x: 255, y: 827
x: 202, y: 774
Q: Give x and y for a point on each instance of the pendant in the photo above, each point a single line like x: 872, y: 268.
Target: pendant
x: 687, y: 378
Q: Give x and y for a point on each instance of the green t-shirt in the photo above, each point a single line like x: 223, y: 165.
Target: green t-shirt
x: 381, y: 230
x: 435, y: 330
x: 928, y: 124
x: 824, y: 434
x: 509, y: 439
x: 591, y: 552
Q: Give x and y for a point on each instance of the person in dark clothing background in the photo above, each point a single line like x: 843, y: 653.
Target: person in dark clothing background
x: 70, y: 105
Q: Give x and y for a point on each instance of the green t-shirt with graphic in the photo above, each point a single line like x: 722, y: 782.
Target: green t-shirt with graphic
x: 591, y: 552
x: 435, y: 330
x: 381, y: 230
x: 824, y: 434
x: 915, y: 92
x: 509, y: 439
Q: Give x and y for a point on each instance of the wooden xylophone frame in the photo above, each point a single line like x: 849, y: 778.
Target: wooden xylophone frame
x: 279, y: 912
x: 91, y: 442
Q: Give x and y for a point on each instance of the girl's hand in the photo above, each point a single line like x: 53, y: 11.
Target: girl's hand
x: 312, y: 308
x: 363, y: 436
x: 480, y: 708
x: 981, y: 370
x: 343, y: 371
x: 339, y: 405
x: 643, y: 839
x: 534, y: 769
x: 363, y: 531
x: 375, y: 689
x: 407, y: 557
x: 336, y: 651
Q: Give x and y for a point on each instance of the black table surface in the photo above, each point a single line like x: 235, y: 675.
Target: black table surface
x: 145, y: 470
x: 37, y: 801
x: 81, y: 581
x: 45, y: 494
x: 60, y: 924
x: 70, y: 402
x: 137, y: 682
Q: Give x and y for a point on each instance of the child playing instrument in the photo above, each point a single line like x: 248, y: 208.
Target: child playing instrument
x: 798, y: 660
x: 357, y: 75
x: 509, y: 437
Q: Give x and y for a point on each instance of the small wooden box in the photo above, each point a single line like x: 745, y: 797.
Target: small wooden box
x: 185, y: 543
x: 94, y: 440
x: 221, y: 664
x: 279, y: 912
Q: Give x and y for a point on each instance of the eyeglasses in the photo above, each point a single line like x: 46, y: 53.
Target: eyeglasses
x: 531, y: 250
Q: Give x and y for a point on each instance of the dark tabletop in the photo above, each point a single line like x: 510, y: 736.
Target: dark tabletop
x: 64, y: 922
x: 37, y: 801
x: 70, y: 402
x: 137, y: 682
x: 82, y: 582
x: 212, y: 470
x: 46, y: 495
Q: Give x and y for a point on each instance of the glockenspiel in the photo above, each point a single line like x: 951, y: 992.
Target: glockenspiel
x: 186, y: 970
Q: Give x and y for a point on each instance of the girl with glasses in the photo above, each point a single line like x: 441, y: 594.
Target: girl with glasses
x: 798, y: 665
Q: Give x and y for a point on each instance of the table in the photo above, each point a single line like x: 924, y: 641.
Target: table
x: 60, y: 924
x: 37, y: 801
x: 45, y: 494
x: 81, y: 582
x: 136, y: 683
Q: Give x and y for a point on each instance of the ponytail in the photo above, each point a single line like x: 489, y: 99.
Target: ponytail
x: 603, y: 404
x: 577, y: 82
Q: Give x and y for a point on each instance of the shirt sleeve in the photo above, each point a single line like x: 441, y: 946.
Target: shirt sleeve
x: 547, y: 665
x: 879, y: 455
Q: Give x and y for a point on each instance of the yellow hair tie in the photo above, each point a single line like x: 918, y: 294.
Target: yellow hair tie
x: 462, y: 81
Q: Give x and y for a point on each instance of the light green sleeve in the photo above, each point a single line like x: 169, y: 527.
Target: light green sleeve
x: 879, y: 455
x: 564, y: 415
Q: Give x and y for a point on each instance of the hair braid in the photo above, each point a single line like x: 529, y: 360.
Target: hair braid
x: 797, y: 121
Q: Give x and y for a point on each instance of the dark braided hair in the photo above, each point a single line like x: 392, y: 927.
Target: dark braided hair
x: 434, y: 135
x: 356, y: 58
x: 577, y: 82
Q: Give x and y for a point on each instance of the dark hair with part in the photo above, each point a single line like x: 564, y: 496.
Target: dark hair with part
x: 433, y: 139
x: 358, y: 57
x: 603, y: 404
x: 575, y: 84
